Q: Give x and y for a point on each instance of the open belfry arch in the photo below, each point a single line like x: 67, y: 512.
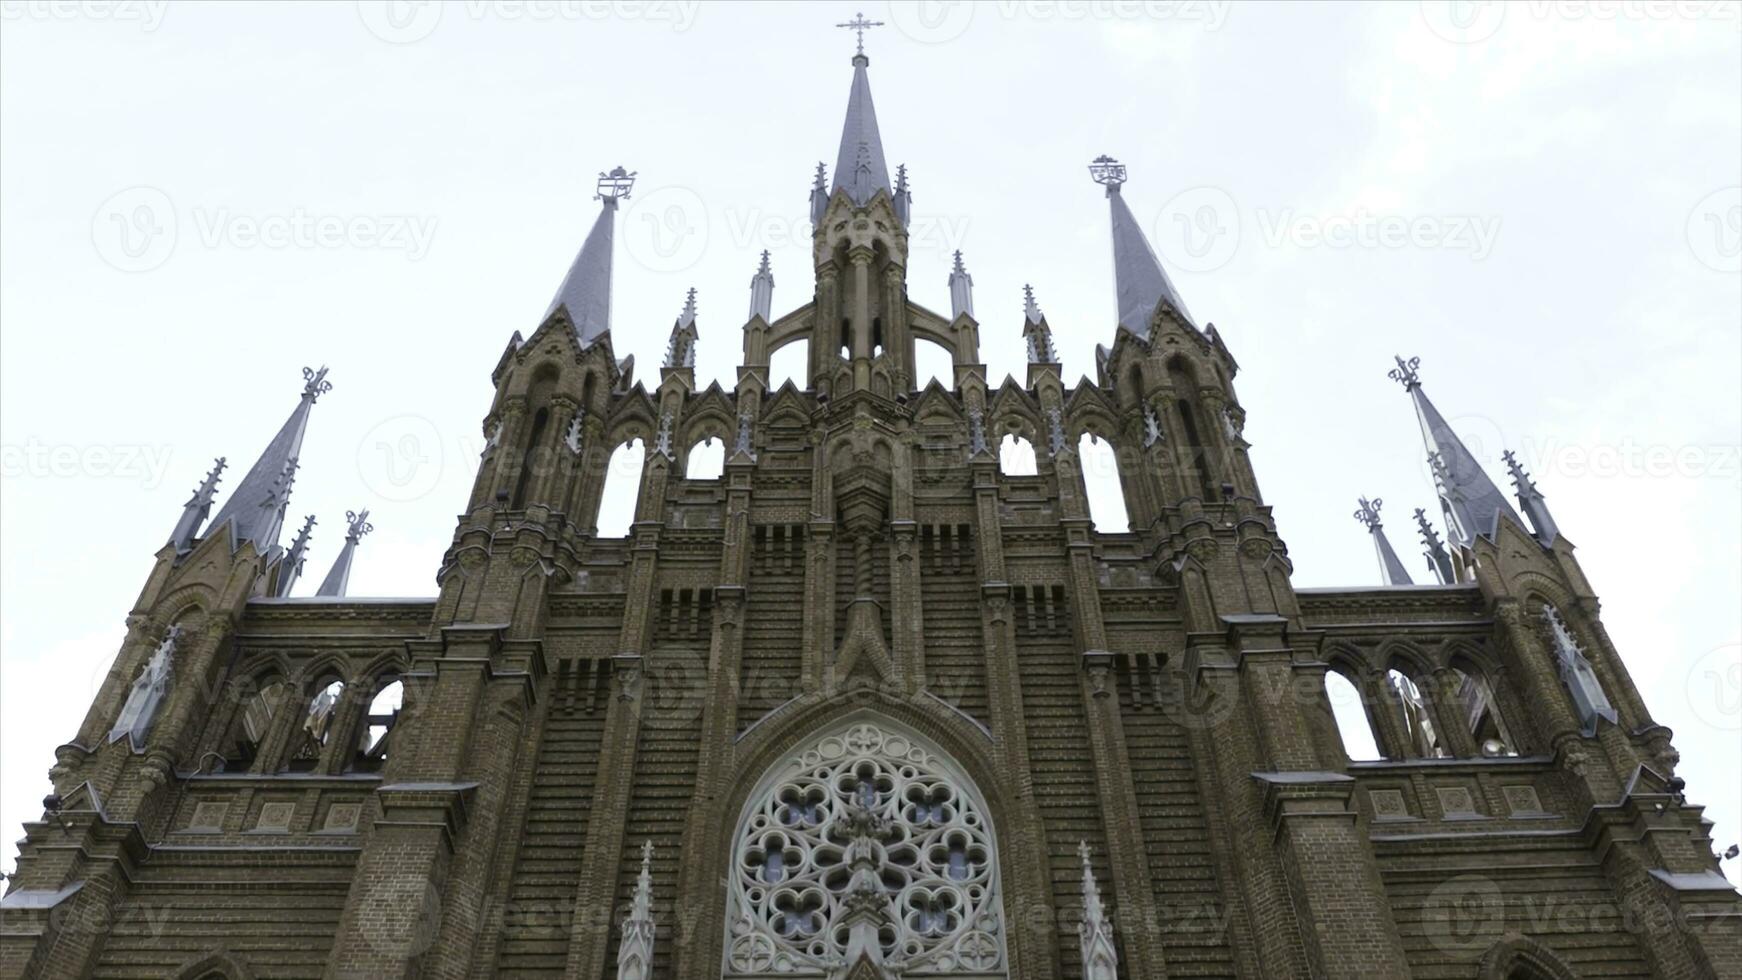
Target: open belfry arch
x: 866, y: 704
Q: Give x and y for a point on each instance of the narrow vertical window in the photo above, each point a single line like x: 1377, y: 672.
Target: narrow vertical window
x: 622, y: 490
x: 1349, y: 711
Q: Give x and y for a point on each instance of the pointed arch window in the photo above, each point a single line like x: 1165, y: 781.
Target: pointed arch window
x: 621, y: 493
x: 865, y: 839
x: 1479, y: 713
x: 706, y: 460
x: 1101, y: 483
x: 1414, y: 717
x: 1016, y: 457
x: 316, y: 725
x: 1349, y: 711
x: 377, y: 727
x: 532, y: 458
x: 262, y: 700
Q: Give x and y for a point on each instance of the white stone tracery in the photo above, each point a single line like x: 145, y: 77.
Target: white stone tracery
x: 865, y: 832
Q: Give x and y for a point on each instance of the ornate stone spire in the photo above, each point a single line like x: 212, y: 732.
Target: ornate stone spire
x: 762, y: 292
x: 1576, y: 673
x: 859, y: 166
x: 194, y: 512
x: 1140, y: 285
x: 1530, y: 501
x: 1100, y: 959
x: 1035, y: 331
x: 1472, y: 503
x: 961, y: 290
x: 337, y: 580
x: 1391, y: 571
x: 1438, y: 560
x: 291, y: 568
x: 586, y: 291
x: 819, y: 193
x: 680, y: 350
x: 635, y: 951
x: 255, y: 511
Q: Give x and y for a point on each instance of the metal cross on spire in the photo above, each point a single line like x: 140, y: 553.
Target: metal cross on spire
x: 859, y: 25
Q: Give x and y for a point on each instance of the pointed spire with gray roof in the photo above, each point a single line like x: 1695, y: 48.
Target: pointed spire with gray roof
x: 1036, y: 333
x: 194, y: 512
x: 586, y: 291
x: 339, y: 579
x: 859, y: 166
x: 1473, y: 505
x: 1439, y: 561
x: 961, y: 290
x: 1391, y: 570
x: 762, y: 291
x: 255, y: 511
x: 1140, y: 285
x: 680, y: 350
x: 291, y: 568
x: 1531, y: 501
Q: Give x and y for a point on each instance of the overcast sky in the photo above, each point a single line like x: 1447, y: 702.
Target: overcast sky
x: 1540, y: 201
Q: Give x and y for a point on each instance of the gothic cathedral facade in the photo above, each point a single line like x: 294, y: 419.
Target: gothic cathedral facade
x: 866, y: 706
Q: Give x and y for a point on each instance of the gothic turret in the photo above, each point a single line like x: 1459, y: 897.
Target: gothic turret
x: 194, y: 512
x: 291, y: 569
x: 1530, y: 500
x: 339, y: 579
x: 1139, y: 282
x: 1473, y: 505
x: 1439, y: 561
x: 961, y: 290
x: 586, y: 291
x: 680, y: 350
x: 255, y: 511
x: 762, y: 292
x: 1391, y: 570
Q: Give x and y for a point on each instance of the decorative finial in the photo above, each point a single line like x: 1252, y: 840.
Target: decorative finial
x: 358, y: 524
x: 315, y: 383
x: 1520, y: 479
x: 959, y: 267
x: 1429, y: 536
x: 1368, y: 513
x: 901, y: 179
x: 763, y: 268
x: 217, y: 468
x: 822, y: 179
x: 1404, y: 373
x: 1029, y: 307
x: 689, y: 305
x: 859, y: 25
x: 1107, y: 171
x: 615, y: 184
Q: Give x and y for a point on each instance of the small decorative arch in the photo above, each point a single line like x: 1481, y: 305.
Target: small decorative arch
x: 214, y: 966
x: 621, y: 493
x: 1522, y: 958
x: 1016, y: 456
x: 1412, y: 710
x: 706, y: 460
x: 864, y: 815
x: 380, y: 717
x: 314, y: 729
x: 1349, y: 706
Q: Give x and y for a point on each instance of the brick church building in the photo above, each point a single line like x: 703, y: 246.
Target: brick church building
x: 870, y: 704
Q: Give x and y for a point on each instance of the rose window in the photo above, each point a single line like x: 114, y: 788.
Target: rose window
x: 865, y: 832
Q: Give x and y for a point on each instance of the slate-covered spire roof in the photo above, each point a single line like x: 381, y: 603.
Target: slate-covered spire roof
x: 339, y: 579
x: 859, y: 166
x: 255, y: 511
x: 194, y: 512
x: 1391, y: 570
x: 1139, y: 282
x: 586, y: 290
x: 1472, y: 503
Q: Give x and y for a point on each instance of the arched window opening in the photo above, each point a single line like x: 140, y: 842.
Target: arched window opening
x: 1101, y: 482
x: 1194, y: 448
x: 876, y: 335
x: 262, y: 700
x: 622, y: 490
x: 933, y: 360
x: 866, y: 815
x: 1349, y: 710
x: 1414, y: 717
x: 707, y: 460
x: 316, y: 726
x: 530, y: 460
x: 846, y: 339
x: 790, y: 363
x: 1481, y: 716
x: 378, y: 722
x: 1134, y: 385
x: 1016, y: 457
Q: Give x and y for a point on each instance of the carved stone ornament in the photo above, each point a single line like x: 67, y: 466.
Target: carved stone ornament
x: 864, y: 837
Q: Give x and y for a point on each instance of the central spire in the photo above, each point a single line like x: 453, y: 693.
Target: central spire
x: 586, y: 290
x: 859, y: 166
x: 1139, y: 283
x: 1473, y: 505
